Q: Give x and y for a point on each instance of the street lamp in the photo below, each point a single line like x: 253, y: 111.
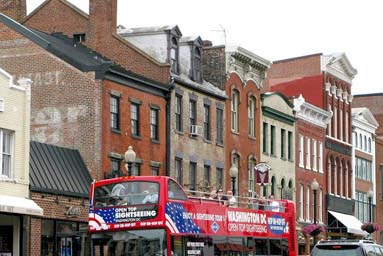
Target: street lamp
x: 370, y: 194
x: 130, y: 157
x: 233, y: 175
x: 315, y: 187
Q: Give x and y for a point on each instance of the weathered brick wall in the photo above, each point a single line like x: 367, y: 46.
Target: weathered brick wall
x: 100, y: 29
x: 196, y: 147
x: 15, y: 9
x: 145, y: 148
x: 54, y: 207
x: 240, y: 142
x: 58, y: 16
x: 290, y: 69
x: 214, y: 67
x: 65, y: 103
x: 35, y: 237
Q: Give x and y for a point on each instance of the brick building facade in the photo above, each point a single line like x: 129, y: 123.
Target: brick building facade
x: 325, y: 81
x: 363, y: 130
x: 240, y: 73
x: 374, y: 102
x: 309, y: 164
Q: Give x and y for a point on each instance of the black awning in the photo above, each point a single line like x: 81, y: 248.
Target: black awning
x: 58, y: 170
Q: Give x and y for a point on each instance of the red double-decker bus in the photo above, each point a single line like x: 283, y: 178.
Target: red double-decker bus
x: 153, y: 215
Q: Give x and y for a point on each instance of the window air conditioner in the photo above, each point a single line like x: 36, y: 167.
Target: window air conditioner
x: 195, y: 130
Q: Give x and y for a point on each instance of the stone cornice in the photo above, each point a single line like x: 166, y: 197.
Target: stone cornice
x: 339, y: 66
x: 311, y: 113
x: 246, y: 64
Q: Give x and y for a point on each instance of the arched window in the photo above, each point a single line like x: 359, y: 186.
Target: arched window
x: 365, y: 143
x: 174, y: 55
x: 369, y: 145
x: 301, y: 202
x: 308, y: 193
x: 234, y: 110
x: 360, y: 141
x: 282, y: 187
x: 251, y: 116
x: 252, y: 163
x: 197, y: 65
x: 273, y: 185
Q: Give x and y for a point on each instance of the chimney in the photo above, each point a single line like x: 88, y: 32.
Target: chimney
x: 16, y: 9
x: 102, y: 22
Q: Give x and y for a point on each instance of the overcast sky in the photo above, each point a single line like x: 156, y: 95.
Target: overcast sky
x: 273, y: 29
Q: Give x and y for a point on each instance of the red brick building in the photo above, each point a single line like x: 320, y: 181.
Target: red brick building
x: 363, y: 129
x: 374, y: 103
x: 310, y: 137
x: 325, y: 81
x: 83, y: 101
x: 240, y: 73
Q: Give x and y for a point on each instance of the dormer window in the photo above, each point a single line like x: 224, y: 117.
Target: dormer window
x: 174, y: 55
x: 78, y: 38
x: 197, y: 69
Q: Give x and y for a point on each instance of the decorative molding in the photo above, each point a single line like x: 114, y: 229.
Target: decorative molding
x: 333, y: 90
x: 350, y: 98
x: 344, y: 97
x: 339, y: 94
x: 247, y: 65
x: 327, y: 87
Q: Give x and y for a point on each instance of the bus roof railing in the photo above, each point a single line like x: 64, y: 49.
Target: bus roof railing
x: 240, y: 202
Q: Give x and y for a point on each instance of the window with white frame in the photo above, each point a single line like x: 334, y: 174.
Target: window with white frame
x: 341, y: 124
x: 308, y: 193
x: 320, y: 157
x: 360, y: 141
x: 234, y: 110
x: 154, y: 124
x: 365, y: 143
x: 6, y: 153
x: 320, y: 206
x: 252, y: 163
x: 251, y: 116
x: 301, y: 202
x: 301, y: 147
x: 308, y: 155
x: 329, y: 124
x: 335, y: 122
x: 369, y: 145
x: 314, y: 155
x: 346, y: 128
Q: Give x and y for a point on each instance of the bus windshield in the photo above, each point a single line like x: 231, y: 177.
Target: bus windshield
x: 130, y: 242
x: 126, y: 193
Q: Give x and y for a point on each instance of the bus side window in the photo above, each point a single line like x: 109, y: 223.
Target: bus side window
x: 175, y: 191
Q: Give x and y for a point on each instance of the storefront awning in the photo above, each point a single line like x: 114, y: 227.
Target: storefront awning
x: 352, y: 224
x: 19, y: 205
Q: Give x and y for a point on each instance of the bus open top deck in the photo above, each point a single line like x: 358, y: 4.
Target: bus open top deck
x: 153, y: 215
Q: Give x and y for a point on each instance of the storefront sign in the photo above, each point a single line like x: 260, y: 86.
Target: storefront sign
x: 73, y: 211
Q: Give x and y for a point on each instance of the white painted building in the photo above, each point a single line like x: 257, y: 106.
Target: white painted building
x: 15, y: 108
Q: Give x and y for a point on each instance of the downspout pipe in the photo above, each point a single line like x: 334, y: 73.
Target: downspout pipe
x: 168, y: 124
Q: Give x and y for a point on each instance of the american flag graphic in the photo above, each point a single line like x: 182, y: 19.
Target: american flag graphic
x: 97, y: 222
x: 176, y: 222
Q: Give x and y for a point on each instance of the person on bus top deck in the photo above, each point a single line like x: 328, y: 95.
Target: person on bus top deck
x: 222, y: 199
x: 119, y: 195
x: 232, y: 201
x: 152, y: 196
x: 273, y: 205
